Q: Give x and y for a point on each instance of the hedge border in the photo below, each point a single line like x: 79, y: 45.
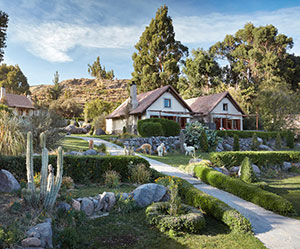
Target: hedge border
x: 249, y: 134
x: 261, y: 158
x: 248, y: 192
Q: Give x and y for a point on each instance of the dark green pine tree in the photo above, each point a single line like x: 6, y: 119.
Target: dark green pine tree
x: 56, y: 90
x: 157, y: 61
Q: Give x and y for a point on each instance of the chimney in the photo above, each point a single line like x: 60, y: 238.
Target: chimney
x: 3, y: 93
x: 133, y: 97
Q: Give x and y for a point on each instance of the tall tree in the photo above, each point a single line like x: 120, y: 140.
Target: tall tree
x: 13, y: 79
x: 98, y: 72
x: 56, y: 90
x: 157, y: 61
x: 201, y: 72
x: 3, y: 28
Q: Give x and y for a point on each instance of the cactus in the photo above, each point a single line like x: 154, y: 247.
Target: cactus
x: 48, y: 187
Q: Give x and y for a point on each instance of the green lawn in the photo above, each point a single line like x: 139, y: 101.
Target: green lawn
x: 132, y: 230
x: 176, y: 159
x: 74, y: 144
x: 288, y: 188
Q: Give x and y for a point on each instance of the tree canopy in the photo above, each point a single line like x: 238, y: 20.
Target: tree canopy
x: 13, y: 79
x: 156, y: 63
x: 99, y: 72
x: 3, y: 28
x: 97, y: 107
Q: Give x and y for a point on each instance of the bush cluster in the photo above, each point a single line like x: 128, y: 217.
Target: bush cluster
x: 246, y: 191
x: 261, y: 158
x: 211, y: 205
x: 169, y: 127
x: 81, y: 169
x: 249, y: 134
x: 150, y: 129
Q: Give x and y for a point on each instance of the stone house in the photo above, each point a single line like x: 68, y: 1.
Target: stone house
x: 220, y: 109
x: 163, y: 102
x: 19, y: 104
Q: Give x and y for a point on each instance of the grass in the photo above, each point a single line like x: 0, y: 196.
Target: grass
x: 288, y: 188
x: 132, y: 230
x: 74, y: 144
x: 176, y: 159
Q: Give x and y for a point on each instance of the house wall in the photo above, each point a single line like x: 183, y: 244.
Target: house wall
x: 22, y: 112
x: 231, y: 110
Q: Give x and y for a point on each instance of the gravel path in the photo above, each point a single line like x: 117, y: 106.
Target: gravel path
x: 275, y: 231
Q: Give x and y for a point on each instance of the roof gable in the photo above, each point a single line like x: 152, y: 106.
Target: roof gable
x: 145, y: 100
x: 206, y: 104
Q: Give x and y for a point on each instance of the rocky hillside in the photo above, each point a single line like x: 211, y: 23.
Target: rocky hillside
x: 84, y: 90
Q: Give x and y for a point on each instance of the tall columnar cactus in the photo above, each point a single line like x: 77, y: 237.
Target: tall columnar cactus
x: 49, y: 186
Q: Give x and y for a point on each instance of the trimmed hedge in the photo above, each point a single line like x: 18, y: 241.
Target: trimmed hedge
x: 249, y: 134
x: 82, y: 169
x: 213, y: 206
x: 246, y: 191
x: 261, y: 158
x: 150, y: 129
x: 169, y: 127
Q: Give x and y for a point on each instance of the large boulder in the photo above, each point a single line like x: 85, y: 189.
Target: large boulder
x: 43, y: 232
x: 148, y: 193
x: 106, y: 201
x: 286, y: 166
x: 90, y: 153
x: 75, y: 130
x: 99, y: 132
x: 8, y: 182
x: 87, y: 206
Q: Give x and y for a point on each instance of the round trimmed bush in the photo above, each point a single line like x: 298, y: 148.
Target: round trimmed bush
x: 191, y: 221
x: 150, y: 129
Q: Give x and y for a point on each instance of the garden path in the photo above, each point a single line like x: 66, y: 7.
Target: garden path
x: 275, y: 231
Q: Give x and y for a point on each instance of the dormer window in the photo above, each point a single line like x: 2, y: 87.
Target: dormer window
x: 225, y: 107
x: 167, y: 103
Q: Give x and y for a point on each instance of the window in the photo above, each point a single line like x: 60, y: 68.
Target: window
x: 167, y: 103
x: 225, y: 107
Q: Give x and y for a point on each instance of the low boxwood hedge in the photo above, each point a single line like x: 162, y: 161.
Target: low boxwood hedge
x: 262, y: 158
x: 249, y: 134
x: 191, y: 221
x: 82, y: 169
x: 244, y: 190
x: 212, y: 206
x: 169, y: 127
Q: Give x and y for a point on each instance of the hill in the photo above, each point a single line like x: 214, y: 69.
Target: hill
x: 83, y: 90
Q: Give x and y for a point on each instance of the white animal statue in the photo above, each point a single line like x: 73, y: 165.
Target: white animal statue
x: 161, y: 149
x: 189, y: 150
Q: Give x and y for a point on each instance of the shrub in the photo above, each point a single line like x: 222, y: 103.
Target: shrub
x: 247, y: 173
x: 211, y: 205
x: 254, y: 142
x: 12, y: 141
x: 249, y: 134
x: 261, y: 158
x: 80, y: 168
x: 112, y: 178
x: 150, y: 129
x: 246, y: 191
x: 236, y: 142
x: 67, y: 182
x: 125, y: 206
x: 204, y: 142
x: 194, y: 135
x: 139, y: 174
x: 278, y: 141
x: 290, y: 139
x: 101, y: 148
x: 169, y: 127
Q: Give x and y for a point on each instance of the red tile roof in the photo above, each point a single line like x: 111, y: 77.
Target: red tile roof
x: 205, y: 104
x: 21, y: 101
x: 145, y: 100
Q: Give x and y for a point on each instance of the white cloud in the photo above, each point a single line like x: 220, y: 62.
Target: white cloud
x: 52, y: 41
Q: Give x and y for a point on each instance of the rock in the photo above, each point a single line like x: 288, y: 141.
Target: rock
x: 75, y: 130
x: 222, y: 170
x: 195, y: 160
x: 88, y: 127
x: 256, y: 170
x: 234, y: 170
x: 43, y: 232
x: 124, y: 196
x: 264, y: 147
x: 99, y: 132
x: 106, y: 201
x: 34, y: 242
x: 87, y: 206
x: 76, y: 205
x: 286, y: 166
x: 64, y: 206
x: 145, y: 194
x: 219, y: 147
x: 227, y: 147
x: 260, y: 140
x: 90, y: 153
x: 8, y: 182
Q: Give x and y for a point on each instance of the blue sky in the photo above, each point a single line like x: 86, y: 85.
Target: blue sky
x: 45, y: 36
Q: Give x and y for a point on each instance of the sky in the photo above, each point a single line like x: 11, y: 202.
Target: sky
x: 45, y: 36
